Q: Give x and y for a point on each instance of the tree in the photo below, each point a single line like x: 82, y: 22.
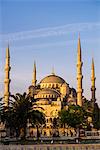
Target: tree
x: 87, y: 105
x: 15, y: 116
x: 55, y: 122
x: 74, y: 117
x: 37, y: 118
x: 96, y: 116
x: 19, y: 111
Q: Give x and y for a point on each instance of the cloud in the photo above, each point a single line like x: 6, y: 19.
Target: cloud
x: 50, y: 31
x: 52, y: 44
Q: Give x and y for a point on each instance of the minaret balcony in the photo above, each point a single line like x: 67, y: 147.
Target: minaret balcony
x: 7, y: 68
x: 93, y: 88
x: 7, y: 81
x: 79, y: 64
x: 7, y: 94
x: 79, y: 76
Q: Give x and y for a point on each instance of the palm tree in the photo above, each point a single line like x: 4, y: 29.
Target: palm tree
x: 17, y: 114
x: 6, y: 116
x: 37, y: 119
x: 20, y: 112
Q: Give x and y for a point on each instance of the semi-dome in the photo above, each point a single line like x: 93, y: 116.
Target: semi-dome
x: 48, y: 93
x: 52, y: 79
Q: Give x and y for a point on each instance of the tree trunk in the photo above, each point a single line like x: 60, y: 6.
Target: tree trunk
x: 77, y: 135
x: 23, y: 133
x: 38, y: 133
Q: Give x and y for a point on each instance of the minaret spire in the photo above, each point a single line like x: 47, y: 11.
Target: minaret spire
x: 34, y: 75
x: 79, y: 74
x: 7, y: 78
x: 93, y: 78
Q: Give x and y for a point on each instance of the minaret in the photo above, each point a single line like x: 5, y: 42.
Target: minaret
x: 79, y: 74
x: 34, y: 75
x: 7, y: 78
x: 93, y: 78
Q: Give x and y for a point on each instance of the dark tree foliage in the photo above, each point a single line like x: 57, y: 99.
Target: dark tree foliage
x: 17, y: 114
x: 96, y: 116
x: 37, y: 118
x: 74, y: 116
x: 55, y: 122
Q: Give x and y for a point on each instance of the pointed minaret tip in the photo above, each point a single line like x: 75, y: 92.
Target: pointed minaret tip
x: 79, y: 38
x: 34, y: 62
x: 93, y: 70
x: 7, y: 52
x: 92, y: 63
x: 79, y: 35
x: 79, y: 49
x: 93, y: 88
x: 34, y: 65
x: 79, y: 44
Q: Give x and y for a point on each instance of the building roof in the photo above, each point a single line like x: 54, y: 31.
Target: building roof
x: 49, y: 93
x: 52, y: 79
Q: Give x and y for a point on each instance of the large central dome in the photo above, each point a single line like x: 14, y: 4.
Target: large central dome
x: 52, y: 79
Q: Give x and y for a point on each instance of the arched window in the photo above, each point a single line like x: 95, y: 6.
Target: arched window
x: 56, y: 85
x: 52, y: 85
x: 50, y: 119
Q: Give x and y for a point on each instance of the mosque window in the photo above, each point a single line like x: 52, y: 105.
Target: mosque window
x: 50, y: 119
x: 44, y: 133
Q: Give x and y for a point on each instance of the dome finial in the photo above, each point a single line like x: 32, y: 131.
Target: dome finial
x: 53, y: 71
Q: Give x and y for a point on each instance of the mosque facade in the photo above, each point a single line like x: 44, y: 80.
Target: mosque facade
x: 53, y: 93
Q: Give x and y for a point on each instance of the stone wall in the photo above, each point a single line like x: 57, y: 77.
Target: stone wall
x: 52, y: 147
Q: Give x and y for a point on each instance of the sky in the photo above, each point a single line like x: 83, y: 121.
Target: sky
x: 46, y: 31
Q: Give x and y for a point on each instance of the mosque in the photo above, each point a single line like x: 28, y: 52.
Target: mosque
x: 53, y: 93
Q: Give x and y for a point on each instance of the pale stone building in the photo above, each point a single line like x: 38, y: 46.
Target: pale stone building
x: 52, y: 93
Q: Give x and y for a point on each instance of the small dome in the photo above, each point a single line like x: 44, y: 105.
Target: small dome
x: 31, y: 87
x: 52, y: 79
x: 48, y: 93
